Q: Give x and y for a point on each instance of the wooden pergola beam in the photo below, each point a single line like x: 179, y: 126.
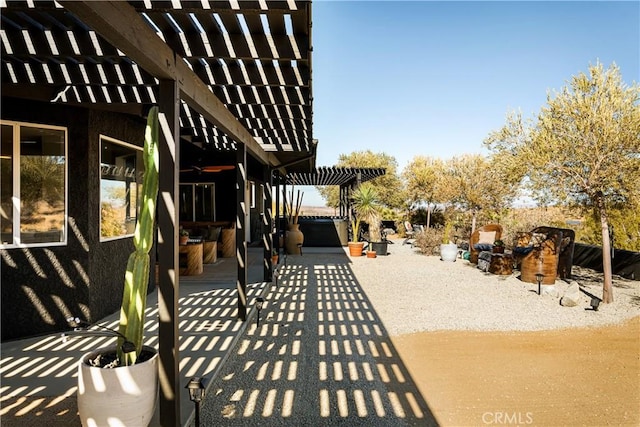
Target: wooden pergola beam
x: 121, y: 25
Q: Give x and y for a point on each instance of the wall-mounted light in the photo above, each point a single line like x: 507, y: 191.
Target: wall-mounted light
x: 539, y: 279
x: 197, y: 387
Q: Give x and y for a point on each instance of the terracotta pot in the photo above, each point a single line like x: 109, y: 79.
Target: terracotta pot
x: 274, y: 259
x: 184, y: 240
x: 371, y: 254
x: 355, y: 248
x: 294, y: 239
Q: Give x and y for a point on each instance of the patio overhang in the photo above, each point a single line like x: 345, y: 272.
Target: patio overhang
x: 228, y: 76
x: 341, y: 176
x: 243, y: 69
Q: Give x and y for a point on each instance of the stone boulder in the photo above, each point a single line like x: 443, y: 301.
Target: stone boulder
x: 571, y: 296
x: 549, y: 290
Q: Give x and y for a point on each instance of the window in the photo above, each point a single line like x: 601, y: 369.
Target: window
x: 197, y: 202
x: 121, y: 172
x: 33, y: 202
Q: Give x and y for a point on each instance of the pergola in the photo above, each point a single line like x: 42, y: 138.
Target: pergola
x: 345, y: 177
x: 226, y: 75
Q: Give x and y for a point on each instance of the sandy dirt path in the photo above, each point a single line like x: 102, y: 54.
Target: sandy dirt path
x: 588, y: 376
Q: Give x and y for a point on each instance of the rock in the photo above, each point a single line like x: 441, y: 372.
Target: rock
x: 549, y: 290
x: 562, y: 286
x: 571, y: 296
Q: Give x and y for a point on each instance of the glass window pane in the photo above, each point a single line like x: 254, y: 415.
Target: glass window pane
x: 42, y: 185
x: 186, y: 202
x: 6, y: 185
x: 120, y: 183
x: 205, y: 209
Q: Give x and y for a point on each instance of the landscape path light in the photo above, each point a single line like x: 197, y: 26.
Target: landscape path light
x: 197, y: 390
x: 539, y: 278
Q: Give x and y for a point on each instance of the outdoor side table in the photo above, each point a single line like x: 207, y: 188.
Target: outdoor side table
x: 193, y: 254
x: 501, y: 264
x: 228, y: 242
x: 209, y: 252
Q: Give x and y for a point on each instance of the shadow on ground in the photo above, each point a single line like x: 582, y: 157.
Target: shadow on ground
x: 320, y: 356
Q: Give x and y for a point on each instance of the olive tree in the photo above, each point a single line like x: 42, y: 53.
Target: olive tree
x: 422, y: 177
x: 482, y: 184
x: 584, y: 148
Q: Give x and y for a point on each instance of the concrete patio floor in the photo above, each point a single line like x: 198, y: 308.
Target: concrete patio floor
x: 38, y: 375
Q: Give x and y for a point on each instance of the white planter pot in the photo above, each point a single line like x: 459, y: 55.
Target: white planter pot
x: 448, y: 252
x: 123, y: 396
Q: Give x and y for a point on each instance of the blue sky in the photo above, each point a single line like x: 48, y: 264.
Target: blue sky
x: 434, y: 78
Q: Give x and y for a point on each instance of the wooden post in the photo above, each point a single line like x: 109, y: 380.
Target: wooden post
x: 267, y: 223
x: 241, y: 228
x: 169, y: 283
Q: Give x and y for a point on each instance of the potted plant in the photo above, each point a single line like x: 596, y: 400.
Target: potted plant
x: 294, y: 238
x: 274, y: 257
x: 376, y: 243
x: 364, y: 202
x: 126, y: 391
x: 184, y: 236
x: 498, y: 247
x: 448, y: 249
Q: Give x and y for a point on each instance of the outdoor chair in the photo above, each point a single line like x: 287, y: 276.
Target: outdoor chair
x: 482, y: 240
x: 410, y: 232
x: 546, y: 250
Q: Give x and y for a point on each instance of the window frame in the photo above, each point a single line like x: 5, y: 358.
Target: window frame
x: 192, y: 208
x: 16, y: 189
x: 139, y: 150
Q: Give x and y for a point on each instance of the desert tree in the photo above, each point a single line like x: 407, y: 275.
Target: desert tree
x: 421, y: 177
x: 584, y: 148
x: 482, y: 184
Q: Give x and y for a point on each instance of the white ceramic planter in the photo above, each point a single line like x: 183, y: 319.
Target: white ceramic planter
x: 123, y: 396
x: 448, y: 252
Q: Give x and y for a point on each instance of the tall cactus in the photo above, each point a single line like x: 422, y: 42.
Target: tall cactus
x: 136, y: 278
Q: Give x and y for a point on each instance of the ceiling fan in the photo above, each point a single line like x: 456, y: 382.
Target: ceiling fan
x: 208, y: 169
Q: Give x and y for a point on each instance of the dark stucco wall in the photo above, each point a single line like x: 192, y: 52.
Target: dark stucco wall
x: 108, y: 260
x: 42, y: 286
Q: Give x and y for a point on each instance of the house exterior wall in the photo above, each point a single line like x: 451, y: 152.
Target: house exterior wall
x: 42, y: 286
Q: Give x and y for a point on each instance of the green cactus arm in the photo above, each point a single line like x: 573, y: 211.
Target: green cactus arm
x: 136, y: 283
x: 143, y: 238
x: 132, y: 313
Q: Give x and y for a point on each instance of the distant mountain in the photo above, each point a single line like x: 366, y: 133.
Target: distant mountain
x: 318, y: 211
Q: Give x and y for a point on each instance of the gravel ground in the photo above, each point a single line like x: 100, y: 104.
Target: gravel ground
x: 412, y: 292
x: 324, y: 353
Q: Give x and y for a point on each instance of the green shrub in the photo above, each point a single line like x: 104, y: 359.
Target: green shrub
x: 429, y: 240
